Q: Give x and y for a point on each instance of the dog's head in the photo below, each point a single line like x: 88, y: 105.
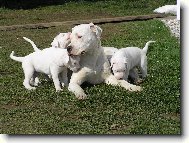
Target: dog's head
x: 84, y: 37
x: 62, y: 40
x: 74, y: 64
x: 119, y: 67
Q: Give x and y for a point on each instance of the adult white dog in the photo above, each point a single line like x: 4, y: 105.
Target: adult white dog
x: 95, y: 68
x: 125, y: 61
x: 51, y: 61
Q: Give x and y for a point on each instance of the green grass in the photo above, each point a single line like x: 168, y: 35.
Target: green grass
x: 81, y: 10
x: 108, y: 110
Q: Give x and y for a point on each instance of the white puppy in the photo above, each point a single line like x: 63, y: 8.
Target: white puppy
x: 62, y: 40
x: 125, y: 61
x: 95, y: 68
x: 51, y: 61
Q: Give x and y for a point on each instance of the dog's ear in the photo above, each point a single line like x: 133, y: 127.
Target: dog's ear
x: 68, y: 35
x: 96, y: 29
x: 55, y: 43
x: 92, y: 27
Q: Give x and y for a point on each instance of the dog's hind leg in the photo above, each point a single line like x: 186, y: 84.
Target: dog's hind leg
x: 28, y: 72
x: 64, y: 78
x: 35, y: 80
x: 56, y: 81
x: 134, y: 76
x: 143, y: 66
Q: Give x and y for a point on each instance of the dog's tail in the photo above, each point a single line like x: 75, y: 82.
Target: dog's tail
x: 145, y: 49
x: 32, y: 43
x: 19, y: 59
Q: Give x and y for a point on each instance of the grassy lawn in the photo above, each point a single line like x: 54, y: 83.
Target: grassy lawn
x: 109, y: 110
x: 83, y: 9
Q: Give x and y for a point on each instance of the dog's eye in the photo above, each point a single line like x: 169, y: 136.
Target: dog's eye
x: 79, y: 36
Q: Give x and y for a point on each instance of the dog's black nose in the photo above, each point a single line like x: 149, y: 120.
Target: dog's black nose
x: 83, y: 53
x: 69, y: 49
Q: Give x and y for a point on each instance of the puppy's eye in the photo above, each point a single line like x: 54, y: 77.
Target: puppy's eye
x: 113, y: 63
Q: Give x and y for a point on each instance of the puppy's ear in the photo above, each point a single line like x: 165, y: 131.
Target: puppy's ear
x: 55, y: 43
x: 68, y: 35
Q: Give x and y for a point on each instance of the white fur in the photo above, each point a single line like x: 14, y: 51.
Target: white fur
x: 109, y: 52
x: 62, y: 40
x: 50, y: 61
x: 125, y: 61
x: 172, y: 9
x: 95, y: 68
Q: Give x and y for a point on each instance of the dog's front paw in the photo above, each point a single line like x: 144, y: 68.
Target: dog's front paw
x: 135, y: 88
x: 81, y: 96
x: 138, y: 88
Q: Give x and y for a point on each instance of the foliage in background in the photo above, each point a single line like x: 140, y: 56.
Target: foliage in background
x: 28, y: 4
x: 69, y: 10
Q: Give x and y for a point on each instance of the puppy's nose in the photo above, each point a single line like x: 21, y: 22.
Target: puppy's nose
x: 69, y: 49
x: 120, y: 78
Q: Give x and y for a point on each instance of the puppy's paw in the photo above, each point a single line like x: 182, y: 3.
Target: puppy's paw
x: 59, y: 89
x: 31, y: 88
x: 64, y: 84
x: 139, y: 81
